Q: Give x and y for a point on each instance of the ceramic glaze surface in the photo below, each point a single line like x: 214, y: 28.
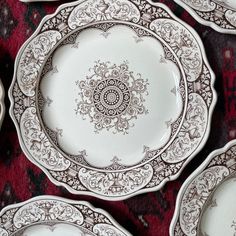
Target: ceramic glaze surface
x: 219, y: 217
x: 54, y: 216
x: 116, y: 96
x: 229, y: 3
x: 218, y: 14
x: 206, y: 202
x: 55, y: 230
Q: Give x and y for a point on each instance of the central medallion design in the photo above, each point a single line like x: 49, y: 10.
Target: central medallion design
x: 111, y: 97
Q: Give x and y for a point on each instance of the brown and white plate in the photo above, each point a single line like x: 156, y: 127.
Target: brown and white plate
x: 2, y: 106
x: 112, y: 98
x: 218, y: 14
x: 54, y: 216
x: 206, y: 202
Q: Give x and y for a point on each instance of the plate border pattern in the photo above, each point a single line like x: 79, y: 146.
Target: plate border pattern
x: 216, y: 18
x: 218, y: 167
x: 51, y: 210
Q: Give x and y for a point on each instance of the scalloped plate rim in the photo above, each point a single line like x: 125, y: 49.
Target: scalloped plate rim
x: 188, y: 181
x: 200, y: 20
x: 141, y: 191
x: 65, y: 200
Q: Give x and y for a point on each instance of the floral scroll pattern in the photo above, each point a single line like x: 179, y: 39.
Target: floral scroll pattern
x: 106, y: 230
x: 116, y: 184
x: 52, y: 211
x: 220, y: 14
x: 91, y: 11
x: 183, y: 44
x: 196, y: 195
x: 38, y: 143
x: 47, y: 211
x: 190, y: 132
x: 33, y: 58
x: 231, y: 17
x: 112, y: 97
x: 203, y: 5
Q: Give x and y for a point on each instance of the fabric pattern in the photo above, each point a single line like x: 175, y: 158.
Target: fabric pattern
x: 148, y: 214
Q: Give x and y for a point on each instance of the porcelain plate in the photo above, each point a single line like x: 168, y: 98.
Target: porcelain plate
x: 54, y: 216
x: 112, y: 98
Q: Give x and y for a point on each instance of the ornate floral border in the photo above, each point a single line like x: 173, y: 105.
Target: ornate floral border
x: 121, y: 183
x: 51, y: 210
x: 197, y: 190
x: 220, y: 17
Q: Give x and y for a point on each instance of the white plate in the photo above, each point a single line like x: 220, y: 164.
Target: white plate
x: 2, y: 106
x: 54, y: 216
x: 206, y: 201
x: 218, y: 14
x: 110, y: 100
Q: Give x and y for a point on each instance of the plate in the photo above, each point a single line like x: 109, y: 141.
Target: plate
x: 206, y: 195
x: 2, y: 106
x: 54, y: 216
x: 218, y: 14
x: 112, y: 98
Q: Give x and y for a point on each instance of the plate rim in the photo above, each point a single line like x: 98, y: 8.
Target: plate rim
x: 72, y: 202
x: 202, y: 21
x: 143, y: 190
x: 194, y: 175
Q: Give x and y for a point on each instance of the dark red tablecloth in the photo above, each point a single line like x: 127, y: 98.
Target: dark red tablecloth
x: 144, y: 215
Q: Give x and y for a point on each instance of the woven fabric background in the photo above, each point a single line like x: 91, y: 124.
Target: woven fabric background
x: 144, y: 215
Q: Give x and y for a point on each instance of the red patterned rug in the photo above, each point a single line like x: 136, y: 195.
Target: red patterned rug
x: 144, y: 215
